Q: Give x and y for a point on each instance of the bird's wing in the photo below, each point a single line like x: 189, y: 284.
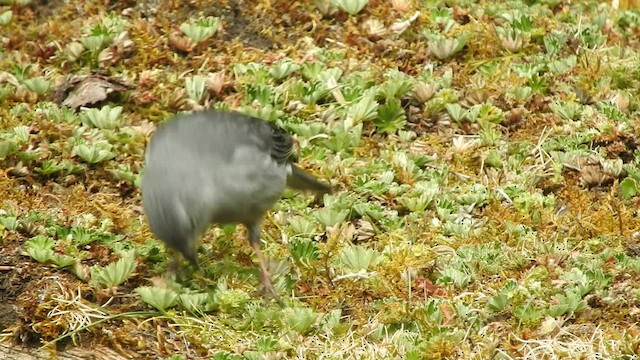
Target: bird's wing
x: 281, y: 143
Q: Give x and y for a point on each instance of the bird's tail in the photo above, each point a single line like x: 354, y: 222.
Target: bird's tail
x: 300, y: 180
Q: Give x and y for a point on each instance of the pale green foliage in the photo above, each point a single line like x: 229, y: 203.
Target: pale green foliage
x: 331, y: 322
x: 21, y: 133
x: 344, y: 138
x: 444, y: 48
x: 512, y: 39
x: 418, y: 202
x: 521, y: 93
x: 194, y: 302
x: 329, y: 217
x: 40, y: 248
x: 299, y: 319
x: 629, y: 188
x: 8, y: 147
x: 106, y: 117
x: 456, y: 112
x: 74, y: 50
x: 9, y: 222
x: 5, y: 17
x: 196, y: 87
x: 282, y: 68
x: 115, y: 273
x: 568, y: 303
x: 39, y: 85
x: 61, y: 260
x: 350, y: 6
x: 267, y: 112
x: 357, y: 258
x: 458, y: 278
x: 498, y: 302
x: 362, y: 110
x: 200, y: 29
x: 229, y: 300
x: 93, y: 43
x: 301, y: 225
x: 96, y: 152
x: 304, y: 251
x: 160, y: 298
x: 126, y: 173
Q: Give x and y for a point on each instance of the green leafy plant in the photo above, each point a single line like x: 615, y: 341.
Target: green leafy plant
x: 304, y: 251
x: 200, y: 29
x: 563, y: 66
x: 74, y: 50
x: 299, y: 319
x: 106, y: 117
x: 329, y: 217
x: 8, y: 147
x: 566, y: 110
x: 350, y: 6
x: 331, y: 322
x: 5, y: 18
x: 195, y: 302
x: 568, y: 303
x: 498, y: 303
x: 124, y: 172
x: 362, y: 110
x: 445, y: 48
x: 61, y: 260
x: 229, y: 300
x: 511, y: 38
x: 357, y: 258
x: 302, y: 226
x: 196, y: 87
x: 521, y: 93
x: 528, y: 314
x: 629, y: 187
x: 96, y: 152
x: 391, y: 117
x: 9, y: 222
x: 40, y: 248
x: 282, y: 68
x: 93, y: 43
x: 39, y: 85
x: 114, y: 274
x: 554, y: 42
x: 160, y: 298
x: 457, y: 112
x: 343, y: 138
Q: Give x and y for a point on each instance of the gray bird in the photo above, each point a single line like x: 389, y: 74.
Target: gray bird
x: 217, y: 167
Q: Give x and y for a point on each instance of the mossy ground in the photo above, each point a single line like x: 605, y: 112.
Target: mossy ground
x: 527, y: 249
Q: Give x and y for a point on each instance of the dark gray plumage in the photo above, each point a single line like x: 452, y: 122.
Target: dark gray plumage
x: 217, y: 167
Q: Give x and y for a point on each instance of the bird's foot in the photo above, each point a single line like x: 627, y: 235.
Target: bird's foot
x: 268, y: 289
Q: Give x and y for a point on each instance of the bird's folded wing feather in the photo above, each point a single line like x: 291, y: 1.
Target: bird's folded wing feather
x: 281, y: 144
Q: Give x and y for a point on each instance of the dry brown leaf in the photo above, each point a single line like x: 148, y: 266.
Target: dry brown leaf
x: 181, y: 43
x: 363, y: 231
x: 8, y: 78
x: 77, y: 91
x: 593, y: 175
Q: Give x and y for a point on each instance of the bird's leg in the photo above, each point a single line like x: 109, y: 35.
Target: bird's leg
x: 173, y: 268
x: 265, y: 278
x: 174, y: 265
